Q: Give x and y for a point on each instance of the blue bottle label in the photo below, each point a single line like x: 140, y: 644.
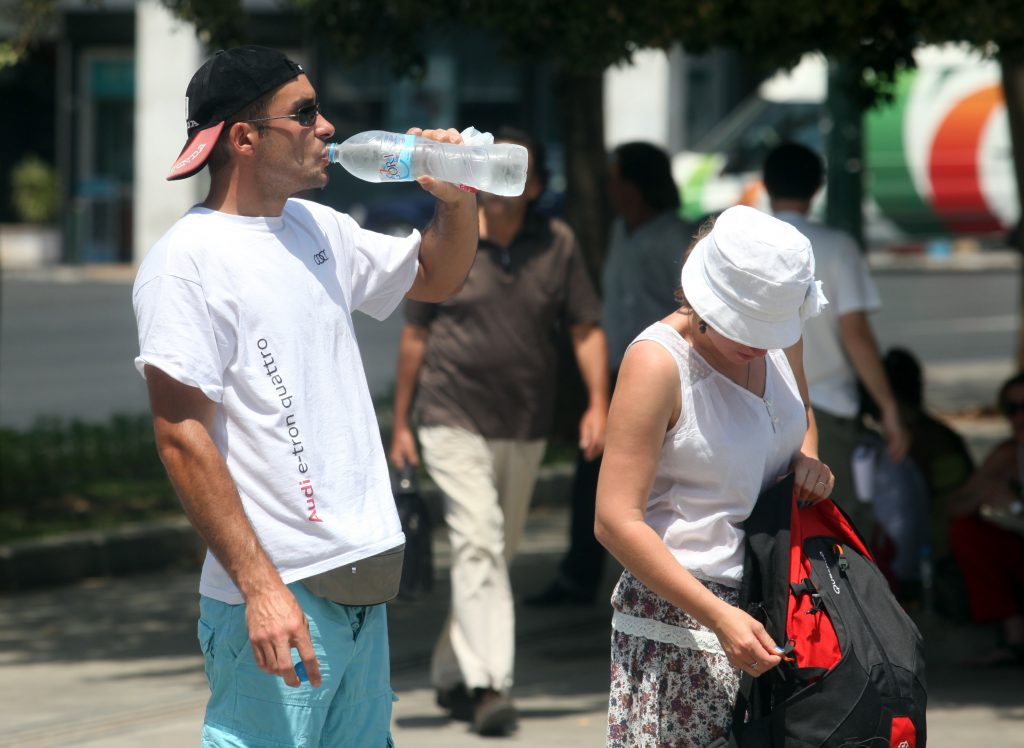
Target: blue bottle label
x: 397, y: 167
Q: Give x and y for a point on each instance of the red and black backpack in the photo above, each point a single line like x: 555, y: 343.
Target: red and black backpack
x: 853, y: 669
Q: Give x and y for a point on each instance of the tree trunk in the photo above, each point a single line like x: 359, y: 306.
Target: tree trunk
x: 845, y: 151
x: 581, y: 100
x: 581, y: 105
x: 1013, y: 90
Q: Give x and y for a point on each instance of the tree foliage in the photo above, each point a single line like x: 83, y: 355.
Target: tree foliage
x: 579, y: 36
x: 993, y: 26
x: 33, y: 19
x: 221, y: 23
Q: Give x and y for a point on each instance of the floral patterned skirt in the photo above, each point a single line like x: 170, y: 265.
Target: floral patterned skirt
x: 664, y: 696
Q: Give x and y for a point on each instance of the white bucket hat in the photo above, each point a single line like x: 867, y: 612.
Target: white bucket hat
x: 752, y: 279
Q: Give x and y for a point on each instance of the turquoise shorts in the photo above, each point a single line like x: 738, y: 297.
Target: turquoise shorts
x: 249, y: 708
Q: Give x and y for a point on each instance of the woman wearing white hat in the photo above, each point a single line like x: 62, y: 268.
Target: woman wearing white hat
x: 710, y: 408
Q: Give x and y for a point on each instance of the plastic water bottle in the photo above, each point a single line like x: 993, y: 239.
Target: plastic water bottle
x: 378, y: 156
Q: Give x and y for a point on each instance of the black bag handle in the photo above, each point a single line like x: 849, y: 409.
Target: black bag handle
x: 414, y: 514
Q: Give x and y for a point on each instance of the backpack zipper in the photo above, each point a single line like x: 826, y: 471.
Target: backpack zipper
x: 843, y: 565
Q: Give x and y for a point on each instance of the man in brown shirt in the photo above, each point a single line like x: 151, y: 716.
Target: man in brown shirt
x: 484, y: 365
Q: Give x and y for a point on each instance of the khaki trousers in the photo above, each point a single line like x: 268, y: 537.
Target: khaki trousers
x: 487, y: 486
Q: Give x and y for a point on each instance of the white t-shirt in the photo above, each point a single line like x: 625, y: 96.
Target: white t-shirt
x: 846, y: 281
x: 726, y: 448
x: 257, y: 313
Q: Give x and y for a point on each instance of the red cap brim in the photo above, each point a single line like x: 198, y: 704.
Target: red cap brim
x: 193, y: 156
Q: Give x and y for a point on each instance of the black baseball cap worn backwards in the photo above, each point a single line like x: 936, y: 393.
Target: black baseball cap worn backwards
x: 224, y: 85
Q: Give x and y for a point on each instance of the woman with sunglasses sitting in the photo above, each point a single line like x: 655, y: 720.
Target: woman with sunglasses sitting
x: 987, y: 535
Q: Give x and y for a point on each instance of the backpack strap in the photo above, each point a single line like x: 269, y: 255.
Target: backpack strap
x: 763, y: 594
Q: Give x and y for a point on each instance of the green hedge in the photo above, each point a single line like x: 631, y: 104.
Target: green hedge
x: 64, y: 475
x: 61, y: 475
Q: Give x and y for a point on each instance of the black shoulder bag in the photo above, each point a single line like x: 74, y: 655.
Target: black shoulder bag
x: 418, y: 569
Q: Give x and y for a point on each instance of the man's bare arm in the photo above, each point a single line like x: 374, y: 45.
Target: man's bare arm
x: 859, y: 343
x: 182, y: 420
x: 449, y: 243
x: 411, y: 350
x: 591, y: 350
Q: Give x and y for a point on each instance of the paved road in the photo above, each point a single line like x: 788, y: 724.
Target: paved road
x: 113, y: 663
x: 67, y: 339
x: 963, y: 326
x: 67, y: 344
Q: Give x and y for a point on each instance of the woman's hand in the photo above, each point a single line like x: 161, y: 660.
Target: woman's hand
x: 813, y: 479
x: 745, y: 641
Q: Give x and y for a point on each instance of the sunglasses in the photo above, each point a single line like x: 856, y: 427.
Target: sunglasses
x: 1011, y: 409
x: 305, y: 115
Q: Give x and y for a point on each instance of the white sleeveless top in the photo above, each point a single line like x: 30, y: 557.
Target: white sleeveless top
x: 727, y: 446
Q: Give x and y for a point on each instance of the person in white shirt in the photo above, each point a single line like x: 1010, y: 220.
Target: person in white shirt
x: 839, y: 345
x: 262, y: 413
x: 710, y: 408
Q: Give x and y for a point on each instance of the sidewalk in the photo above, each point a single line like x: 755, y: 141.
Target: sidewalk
x: 113, y: 662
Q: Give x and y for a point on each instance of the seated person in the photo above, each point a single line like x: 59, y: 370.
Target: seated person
x: 990, y: 555
x: 911, y: 497
x: 939, y: 452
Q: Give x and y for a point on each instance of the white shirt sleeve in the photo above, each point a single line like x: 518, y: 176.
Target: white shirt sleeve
x: 853, y: 287
x: 383, y: 269
x: 176, y: 334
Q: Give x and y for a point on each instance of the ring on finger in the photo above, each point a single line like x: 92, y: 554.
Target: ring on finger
x: 754, y: 665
